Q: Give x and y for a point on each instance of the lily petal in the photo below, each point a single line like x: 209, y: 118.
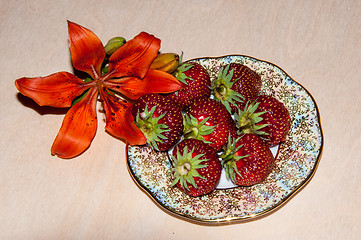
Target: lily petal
x: 56, y: 90
x: 119, y: 120
x: 87, y: 51
x: 134, y: 58
x: 154, y: 82
x: 78, y: 128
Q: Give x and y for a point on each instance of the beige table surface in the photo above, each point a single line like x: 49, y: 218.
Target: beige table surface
x: 318, y: 43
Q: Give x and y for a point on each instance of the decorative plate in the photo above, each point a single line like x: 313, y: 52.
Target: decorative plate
x: 296, y: 158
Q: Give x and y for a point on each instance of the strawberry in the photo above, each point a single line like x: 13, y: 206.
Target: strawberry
x: 247, y: 160
x: 235, y: 85
x: 197, y: 169
x: 266, y: 117
x: 196, y: 84
x: 160, y: 120
x: 208, y: 120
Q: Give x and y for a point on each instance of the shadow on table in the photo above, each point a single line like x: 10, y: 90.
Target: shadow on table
x: 42, y: 110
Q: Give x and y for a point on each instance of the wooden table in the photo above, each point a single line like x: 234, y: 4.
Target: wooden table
x: 94, y: 197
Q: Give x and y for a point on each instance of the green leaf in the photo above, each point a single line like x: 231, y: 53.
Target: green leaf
x: 80, y: 97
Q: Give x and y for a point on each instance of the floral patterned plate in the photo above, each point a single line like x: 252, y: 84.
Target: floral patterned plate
x: 296, y: 158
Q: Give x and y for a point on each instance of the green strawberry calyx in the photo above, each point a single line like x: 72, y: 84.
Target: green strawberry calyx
x: 196, y: 130
x: 150, y: 126
x: 248, y: 120
x: 230, y: 158
x: 222, y: 89
x: 185, y: 167
x: 180, y: 73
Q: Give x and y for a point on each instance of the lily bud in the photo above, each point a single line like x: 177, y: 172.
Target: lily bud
x: 113, y: 45
x: 166, y: 62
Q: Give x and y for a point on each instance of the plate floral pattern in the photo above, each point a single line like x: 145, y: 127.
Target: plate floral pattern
x: 296, y: 160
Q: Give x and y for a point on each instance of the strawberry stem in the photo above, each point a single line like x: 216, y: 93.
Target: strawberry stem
x: 148, y: 122
x: 245, y: 124
x: 191, y: 133
x: 185, y: 168
x: 195, y: 129
x: 222, y: 90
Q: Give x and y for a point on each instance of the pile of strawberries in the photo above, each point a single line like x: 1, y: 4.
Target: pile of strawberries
x: 214, y: 124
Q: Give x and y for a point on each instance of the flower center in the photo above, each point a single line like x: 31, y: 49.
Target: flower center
x: 101, y: 88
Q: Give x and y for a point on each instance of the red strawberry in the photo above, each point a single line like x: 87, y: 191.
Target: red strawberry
x: 235, y: 85
x: 247, y: 160
x: 266, y: 117
x: 196, y: 84
x: 160, y: 120
x: 208, y: 120
x: 197, y: 169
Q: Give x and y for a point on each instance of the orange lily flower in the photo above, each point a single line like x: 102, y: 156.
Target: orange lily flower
x: 129, y: 76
